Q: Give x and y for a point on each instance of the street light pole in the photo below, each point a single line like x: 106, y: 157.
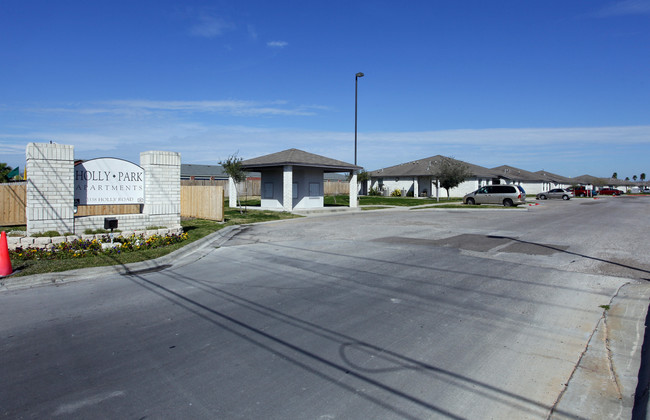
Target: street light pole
x: 356, y: 82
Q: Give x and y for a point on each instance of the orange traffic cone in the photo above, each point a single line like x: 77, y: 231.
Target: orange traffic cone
x: 5, y: 262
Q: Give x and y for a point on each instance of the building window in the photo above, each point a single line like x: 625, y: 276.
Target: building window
x: 268, y: 190
x: 314, y: 189
x: 294, y: 190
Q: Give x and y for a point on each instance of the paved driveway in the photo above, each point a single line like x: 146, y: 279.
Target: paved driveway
x: 377, y: 314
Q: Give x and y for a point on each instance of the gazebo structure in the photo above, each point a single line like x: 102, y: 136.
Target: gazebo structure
x: 293, y: 179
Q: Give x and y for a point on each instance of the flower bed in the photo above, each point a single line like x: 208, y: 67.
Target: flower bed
x: 80, y: 248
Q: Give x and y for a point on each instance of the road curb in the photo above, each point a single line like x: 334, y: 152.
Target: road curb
x: 611, y: 388
x: 195, y: 249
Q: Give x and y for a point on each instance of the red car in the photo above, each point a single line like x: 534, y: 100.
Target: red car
x: 582, y: 192
x: 609, y: 191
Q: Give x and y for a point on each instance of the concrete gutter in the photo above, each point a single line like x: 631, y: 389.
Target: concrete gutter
x: 605, y: 381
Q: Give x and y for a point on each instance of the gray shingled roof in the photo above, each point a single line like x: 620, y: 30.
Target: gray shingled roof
x: 189, y: 170
x: 558, y: 179
x: 427, y: 167
x: 203, y: 171
x: 588, y: 179
x: 516, y: 174
x: 296, y: 157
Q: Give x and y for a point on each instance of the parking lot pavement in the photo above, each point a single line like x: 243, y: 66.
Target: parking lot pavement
x: 404, y: 314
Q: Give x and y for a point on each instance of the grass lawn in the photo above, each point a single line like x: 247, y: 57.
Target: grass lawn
x: 195, y: 229
x: 344, y: 200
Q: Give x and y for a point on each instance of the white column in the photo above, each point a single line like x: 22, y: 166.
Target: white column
x: 287, y: 188
x: 50, y: 188
x: 354, y: 190
x: 162, y: 188
x: 416, y: 187
x: 232, y: 193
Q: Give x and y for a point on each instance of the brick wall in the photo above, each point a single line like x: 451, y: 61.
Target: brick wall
x: 50, y: 187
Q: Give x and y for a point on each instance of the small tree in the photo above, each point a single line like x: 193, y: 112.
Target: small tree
x: 362, y: 179
x: 615, y: 175
x: 4, y: 172
x: 451, y: 173
x: 642, y: 176
x: 363, y: 176
x: 232, y: 166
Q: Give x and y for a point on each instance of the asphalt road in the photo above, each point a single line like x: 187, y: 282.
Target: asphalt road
x: 527, y: 313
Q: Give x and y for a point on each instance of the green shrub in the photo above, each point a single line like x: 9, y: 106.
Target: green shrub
x: 48, y: 234
x: 99, y: 231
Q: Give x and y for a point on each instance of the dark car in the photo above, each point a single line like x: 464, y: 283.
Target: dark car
x: 609, y: 191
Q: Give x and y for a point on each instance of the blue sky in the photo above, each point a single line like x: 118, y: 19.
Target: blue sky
x: 537, y: 84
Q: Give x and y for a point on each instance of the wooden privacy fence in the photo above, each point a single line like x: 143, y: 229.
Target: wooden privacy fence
x: 250, y: 187
x: 203, y: 202
x: 253, y: 187
x: 336, y: 188
x: 13, y: 199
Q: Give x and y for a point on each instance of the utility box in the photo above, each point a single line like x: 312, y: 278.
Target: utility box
x: 110, y: 223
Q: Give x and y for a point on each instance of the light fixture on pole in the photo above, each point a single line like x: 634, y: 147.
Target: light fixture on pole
x: 356, y: 82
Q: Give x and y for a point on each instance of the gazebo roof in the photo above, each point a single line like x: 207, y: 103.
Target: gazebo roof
x: 296, y: 157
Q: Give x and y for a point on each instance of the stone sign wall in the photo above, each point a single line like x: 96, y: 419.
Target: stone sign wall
x: 51, y: 192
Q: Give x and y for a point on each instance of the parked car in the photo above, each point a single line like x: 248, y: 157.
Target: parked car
x: 609, y: 191
x: 582, y: 192
x: 508, y: 195
x: 555, y: 193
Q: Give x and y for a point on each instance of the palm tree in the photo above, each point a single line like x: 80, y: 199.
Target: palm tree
x: 615, y: 175
x: 643, y: 177
x: 634, y: 177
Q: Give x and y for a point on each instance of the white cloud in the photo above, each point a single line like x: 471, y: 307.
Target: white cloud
x: 252, y: 33
x: 125, y: 128
x: 140, y: 108
x: 625, y: 7
x: 277, y: 44
x: 523, y: 136
x: 210, y: 26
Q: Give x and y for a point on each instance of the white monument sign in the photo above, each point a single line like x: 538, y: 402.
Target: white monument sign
x: 108, y: 181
